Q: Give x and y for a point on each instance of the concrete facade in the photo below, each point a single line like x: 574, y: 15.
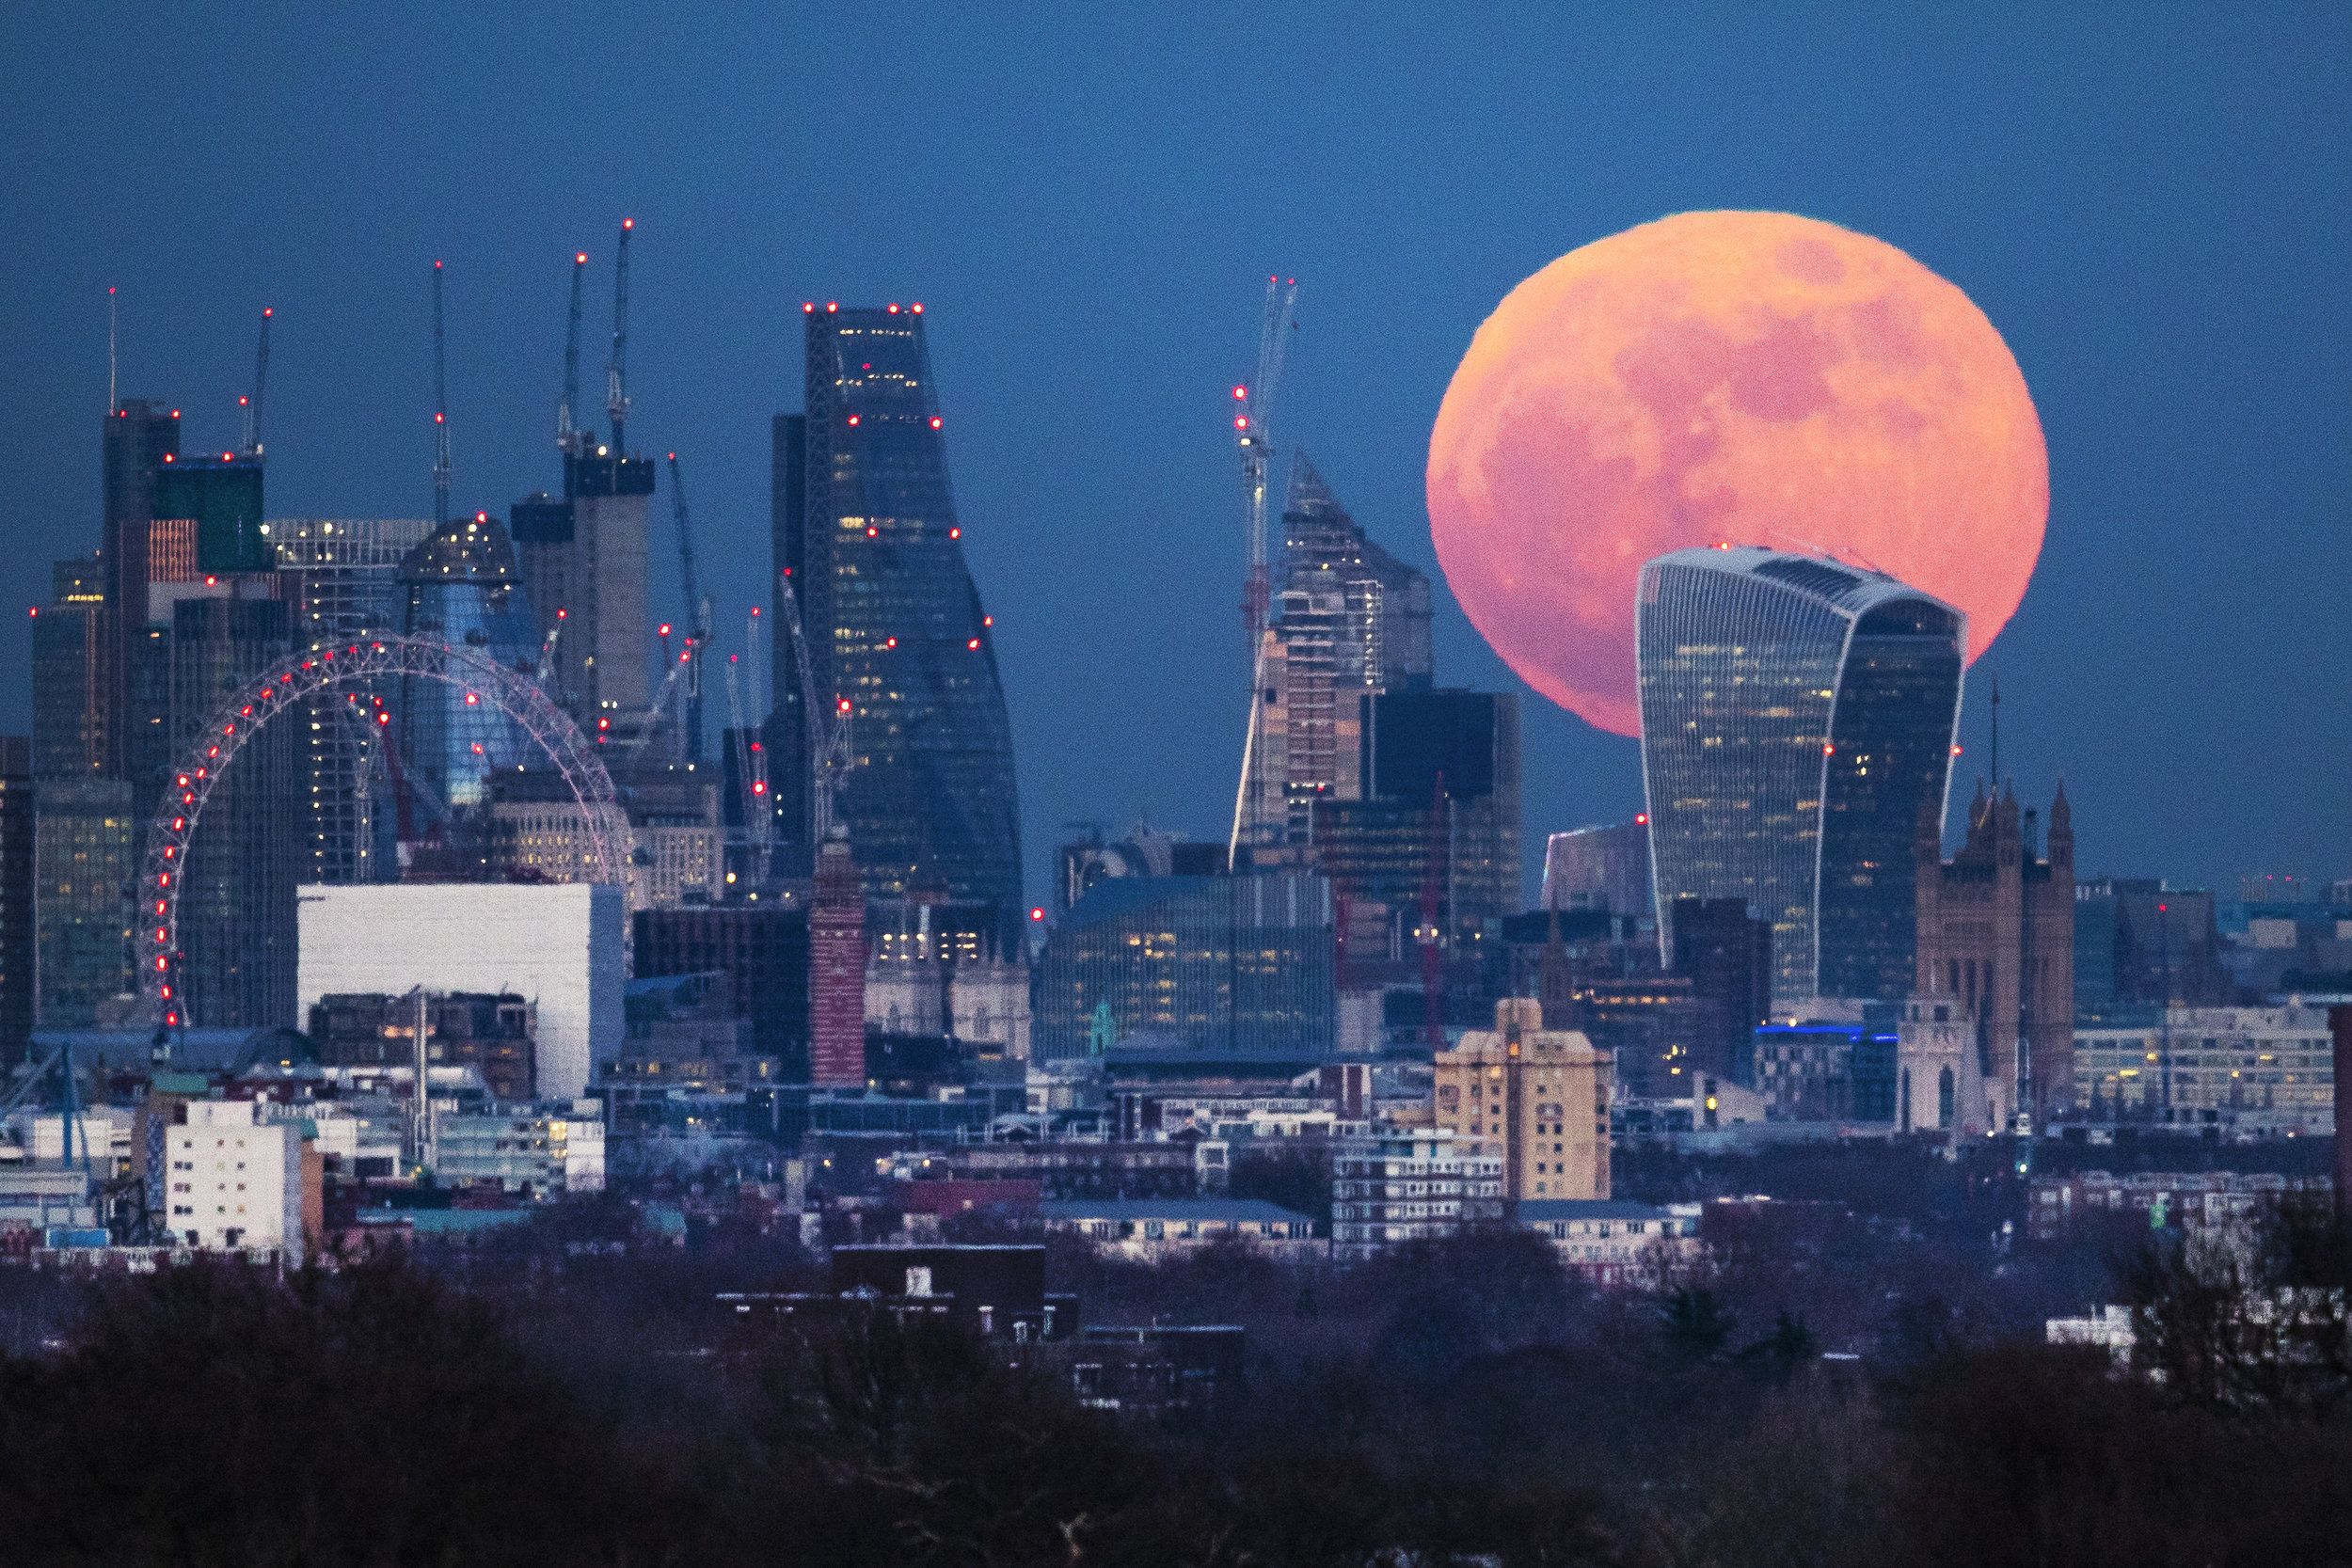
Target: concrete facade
x: 236, y: 1182
x: 558, y: 946
x: 1542, y: 1096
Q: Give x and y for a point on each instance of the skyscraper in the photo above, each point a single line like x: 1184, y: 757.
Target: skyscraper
x: 17, y: 931
x: 69, y: 666
x: 583, y: 557
x: 237, y: 911
x: 1796, y: 717
x: 893, y: 622
x: 343, y: 577
x: 1350, y: 621
x: 138, y: 436
x: 463, y: 589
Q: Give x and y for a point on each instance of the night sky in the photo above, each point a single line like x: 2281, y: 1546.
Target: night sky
x: 2150, y: 203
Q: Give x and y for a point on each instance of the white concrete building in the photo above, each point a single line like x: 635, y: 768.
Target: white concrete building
x: 1149, y: 1228
x: 234, y: 1182
x: 1612, y: 1241
x: 2265, y: 1071
x: 558, y: 945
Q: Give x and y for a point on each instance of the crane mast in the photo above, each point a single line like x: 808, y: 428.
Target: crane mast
x: 698, y: 606
x: 616, y: 376
x: 1253, y: 423
x: 251, y: 446
x: 568, y: 437
x: 440, y: 415
x: 828, y: 728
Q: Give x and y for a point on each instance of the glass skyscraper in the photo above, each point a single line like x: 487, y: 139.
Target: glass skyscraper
x: 1797, y: 722
x: 463, y: 589
x: 865, y: 527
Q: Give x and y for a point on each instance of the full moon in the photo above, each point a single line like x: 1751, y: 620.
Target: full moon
x: 1752, y: 378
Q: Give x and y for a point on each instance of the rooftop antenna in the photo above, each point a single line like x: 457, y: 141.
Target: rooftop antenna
x: 616, y: 377
x: 440, y: 415
x: 110, y: 350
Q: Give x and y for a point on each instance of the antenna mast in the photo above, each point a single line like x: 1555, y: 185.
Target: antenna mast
x: 440, y: 413
x: 567, y: 439
x: 616, y: 376
x: 112, y: 401
x: 252, y: 444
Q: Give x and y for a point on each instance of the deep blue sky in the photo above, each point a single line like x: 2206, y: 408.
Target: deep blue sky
x: 2150, y: 203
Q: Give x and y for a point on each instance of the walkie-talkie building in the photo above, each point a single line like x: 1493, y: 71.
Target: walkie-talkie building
x: 1797, y: 718
x: 866, y: 529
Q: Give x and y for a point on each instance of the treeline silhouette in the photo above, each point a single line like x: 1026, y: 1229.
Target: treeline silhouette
x: 1454, y: 1403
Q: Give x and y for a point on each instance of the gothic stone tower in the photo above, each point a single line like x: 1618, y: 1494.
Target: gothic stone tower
x: 1996, y: 929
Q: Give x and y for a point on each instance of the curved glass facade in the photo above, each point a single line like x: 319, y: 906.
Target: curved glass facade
x: 463, y: 589
x: 1797, y: 718
x: 894, y: 622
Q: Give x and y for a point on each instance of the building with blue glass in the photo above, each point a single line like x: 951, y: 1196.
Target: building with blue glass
x: 866, y: 531
x: 463, y: 589
x: 1797, y: 725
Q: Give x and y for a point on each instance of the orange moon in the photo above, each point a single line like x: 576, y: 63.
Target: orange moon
x: 1753, y: 378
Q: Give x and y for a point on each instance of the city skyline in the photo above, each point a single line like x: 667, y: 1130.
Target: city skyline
x: 2148, y: 461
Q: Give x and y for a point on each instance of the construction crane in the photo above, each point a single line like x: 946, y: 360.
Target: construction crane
x: 751, y: 774
x: 569, y: 439
x: 251, y: 445
x: 440, y: 415
x: 698, y: 606
x: 616, y: 375
x: 1253, y: 440
x: 828, y: 728
x: 547, y: 649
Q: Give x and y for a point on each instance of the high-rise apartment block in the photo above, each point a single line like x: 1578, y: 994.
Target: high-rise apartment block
x: 1541, y: 1094
x: 866, y: 536
x: 1797, y: 718
x: 1997, y: 931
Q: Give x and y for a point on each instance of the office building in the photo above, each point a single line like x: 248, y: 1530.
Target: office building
x: 1726, y: 954
x: 2140, y: 943
x: 69, y: 666
x: 1232, y: 965
x: 236, y: 919
x: 1540, y: 1096
x: 493, y: 1033
x: 1828, y: 1070
x: 837, y: 970
x: 558, y: 947
x: 463, y: 589
x: 138, y: 436
x: 866, y: 530
x: 2264, y: 1070
x: 1440, y: 815
x: 1399, y: 1187
x: 1657, y: 1029
x: 583, y: 558
x: 545, y: 1148
x: 344, y: 580
x: 762, y: 949
x: 1599, y: 868
x: 1348, y: 621
x: 19, y: 931
x: 85, y: 858
x: 1797, y: 720
x: 1145, y: 851
x: 1996, y: 932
